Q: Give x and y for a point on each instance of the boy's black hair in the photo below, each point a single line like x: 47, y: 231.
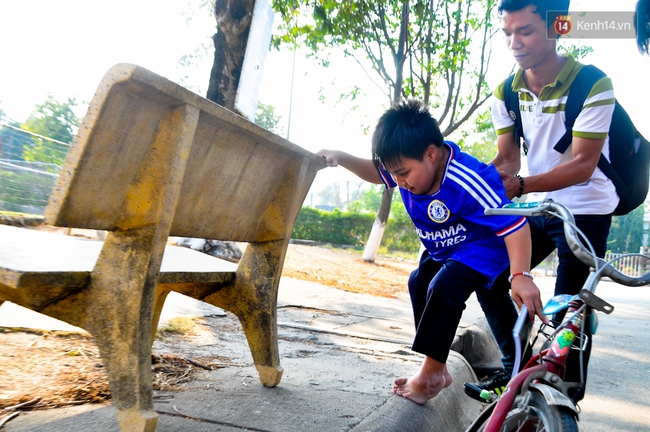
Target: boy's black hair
x: 541, y: 7
x: 405, y: 131
x: 642, y: 26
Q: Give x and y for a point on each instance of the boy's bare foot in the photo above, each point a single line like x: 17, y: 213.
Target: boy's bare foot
x: 422, y: 386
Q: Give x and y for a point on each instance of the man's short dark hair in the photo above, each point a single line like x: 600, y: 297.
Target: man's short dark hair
x: 642, y: 25
x: 405, y: 131
x: 541, y: 7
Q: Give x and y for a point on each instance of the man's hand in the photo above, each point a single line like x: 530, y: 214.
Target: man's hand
x: 511, y: 183
x: 524, y: 291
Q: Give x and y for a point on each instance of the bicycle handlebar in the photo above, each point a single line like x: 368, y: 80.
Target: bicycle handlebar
x: 552, y: 208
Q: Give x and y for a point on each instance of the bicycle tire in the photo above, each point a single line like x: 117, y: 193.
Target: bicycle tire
x: 538, y: 416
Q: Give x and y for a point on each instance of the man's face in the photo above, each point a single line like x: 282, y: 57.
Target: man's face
x: 525, y: 33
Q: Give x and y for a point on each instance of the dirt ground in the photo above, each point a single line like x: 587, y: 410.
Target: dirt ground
x: 45, y: 369
x: 346, y: 270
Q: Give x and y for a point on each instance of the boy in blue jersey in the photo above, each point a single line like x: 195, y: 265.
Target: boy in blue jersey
x: 445, y: 191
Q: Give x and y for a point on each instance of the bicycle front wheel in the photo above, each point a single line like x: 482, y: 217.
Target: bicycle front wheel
x: 535, y: 416
x: 538, y: 416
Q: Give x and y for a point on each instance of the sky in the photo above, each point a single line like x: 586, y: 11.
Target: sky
x: 63, y: 48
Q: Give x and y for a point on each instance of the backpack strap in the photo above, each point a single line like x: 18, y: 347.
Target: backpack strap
x: 580, y: 88
x: 511, y: 99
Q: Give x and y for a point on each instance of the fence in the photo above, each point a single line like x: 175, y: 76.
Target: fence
x: 29, y: 166
x: 631, y: 266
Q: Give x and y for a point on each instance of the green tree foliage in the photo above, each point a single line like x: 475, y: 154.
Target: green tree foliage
x: 28, y: 191
x: 437, y: 51
x: 481, y: 142
x: 330, y: 195
x: 578, y: 51
x: 626, y: 232
x: 54, y: 120
x: 12, y: 141
x: 343, y: 193
x: 352, y: 228
x: 266, y: 118
x: 370, y: 201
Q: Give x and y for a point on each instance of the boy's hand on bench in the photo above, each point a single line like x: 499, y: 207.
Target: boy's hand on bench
x: 363, y: 168
x: 331, y: 157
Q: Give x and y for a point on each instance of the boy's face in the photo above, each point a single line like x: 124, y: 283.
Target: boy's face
x: 416, y: 176
x: 526, y: 33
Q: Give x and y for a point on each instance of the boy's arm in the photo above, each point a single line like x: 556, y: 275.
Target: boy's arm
x: 363, y: 168
x: 523, y: 290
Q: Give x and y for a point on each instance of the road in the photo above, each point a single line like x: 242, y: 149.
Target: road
x: 618, y: 386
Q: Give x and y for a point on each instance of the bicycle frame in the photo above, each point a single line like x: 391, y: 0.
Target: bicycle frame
x: 550, y: 371
x: 544, y: 373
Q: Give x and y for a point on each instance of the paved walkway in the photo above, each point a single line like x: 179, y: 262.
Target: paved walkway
x: 340, y: 353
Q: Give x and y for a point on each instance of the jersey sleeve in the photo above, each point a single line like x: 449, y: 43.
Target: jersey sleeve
x: 482, y: 189
x: 595, y: 117
x: 500, y: 117
x: 386, y: 178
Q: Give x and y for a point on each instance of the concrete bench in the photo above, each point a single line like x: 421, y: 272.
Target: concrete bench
x: 153, y: 160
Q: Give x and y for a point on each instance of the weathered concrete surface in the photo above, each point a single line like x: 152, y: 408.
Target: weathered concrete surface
x: 341, y: 352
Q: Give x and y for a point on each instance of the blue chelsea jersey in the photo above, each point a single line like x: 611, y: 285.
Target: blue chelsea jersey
x: 451, y: 222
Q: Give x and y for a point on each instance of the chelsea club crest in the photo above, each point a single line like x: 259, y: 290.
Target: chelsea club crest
x: 438, y: 211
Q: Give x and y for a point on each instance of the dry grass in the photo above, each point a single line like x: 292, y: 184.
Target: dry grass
x: 57, y: 369
x: 180, y: 325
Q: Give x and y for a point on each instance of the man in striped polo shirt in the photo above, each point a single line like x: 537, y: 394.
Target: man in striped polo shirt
x: 573, y: 179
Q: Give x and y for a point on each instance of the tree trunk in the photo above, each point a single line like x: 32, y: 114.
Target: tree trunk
x: 234, y: 19
x: 378, y: 228
x: 233, y: 25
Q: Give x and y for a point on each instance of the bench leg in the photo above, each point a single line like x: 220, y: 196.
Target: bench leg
x: 120, y: 299
x: 111, y: 314
x: 159, y: 303
x: 253, y: 298
x: 136, y: 420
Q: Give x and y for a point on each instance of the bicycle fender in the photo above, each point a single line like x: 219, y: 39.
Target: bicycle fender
x: 554, y: 397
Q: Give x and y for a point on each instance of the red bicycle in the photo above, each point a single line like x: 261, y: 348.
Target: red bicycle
x: 537, y: 397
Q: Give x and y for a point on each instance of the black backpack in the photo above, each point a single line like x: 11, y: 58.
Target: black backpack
x: 629, y: 151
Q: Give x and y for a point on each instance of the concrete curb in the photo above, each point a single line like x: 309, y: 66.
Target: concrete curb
x: 477, y: 345
x: 452, y: 410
